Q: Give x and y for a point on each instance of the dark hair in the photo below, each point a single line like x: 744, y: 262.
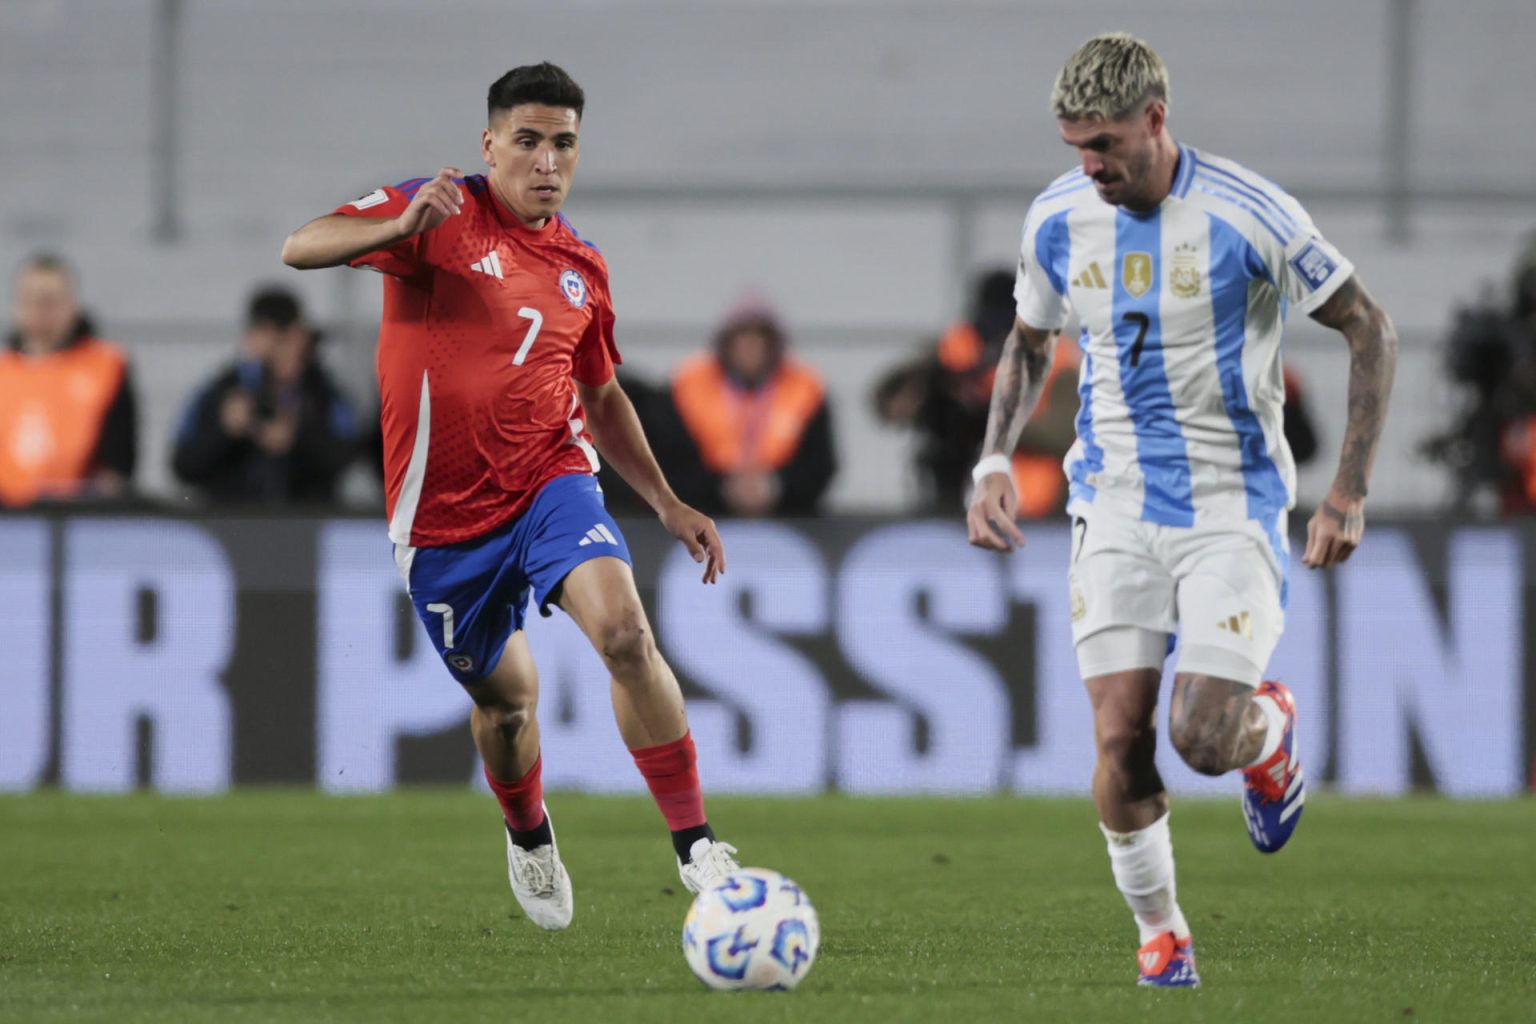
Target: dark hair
x: 535, y: 83
x: 51, y: 262
x: 992, y: 305
x: 274, y: 306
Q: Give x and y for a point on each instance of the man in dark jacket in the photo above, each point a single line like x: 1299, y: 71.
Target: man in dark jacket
x: 273, y: 427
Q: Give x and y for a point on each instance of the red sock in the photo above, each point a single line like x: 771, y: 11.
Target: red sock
x: 522, y: 802
x: 671, y: 773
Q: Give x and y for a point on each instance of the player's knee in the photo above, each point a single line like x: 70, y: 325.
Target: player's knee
x: 1127, y: 746
x: 1200, y: 742
x: 509, y: 716
x: 627, y: 647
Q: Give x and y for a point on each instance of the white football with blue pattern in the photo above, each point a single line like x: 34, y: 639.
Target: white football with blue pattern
x: 755, y: 929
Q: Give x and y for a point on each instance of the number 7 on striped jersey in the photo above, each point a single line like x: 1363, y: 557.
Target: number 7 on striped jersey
x: 528, y: 313
x: 1142, y: 322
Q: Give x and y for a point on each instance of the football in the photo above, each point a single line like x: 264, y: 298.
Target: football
x: 755, y: 929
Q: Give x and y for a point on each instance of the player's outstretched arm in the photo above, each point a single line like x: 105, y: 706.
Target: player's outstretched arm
x: 621, y: 440
x: 337, y: 239
x: 1338, y: 524
x: 1021, y: 375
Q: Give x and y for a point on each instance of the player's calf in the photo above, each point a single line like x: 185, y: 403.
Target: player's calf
x: 499, y: 729
x: 1218, y: 725
x: 506, y: 733
x: 648, y: 705
x: 1127, y: 788
x: 1127, y: 759
x: 1213, y: 723
x: 1206, y: 746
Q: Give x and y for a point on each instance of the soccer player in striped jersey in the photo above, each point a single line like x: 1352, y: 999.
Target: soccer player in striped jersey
x: 1179, y: 266
x: 496, y: 357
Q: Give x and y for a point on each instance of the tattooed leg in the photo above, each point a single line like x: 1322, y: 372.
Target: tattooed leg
x: 1214, y: 724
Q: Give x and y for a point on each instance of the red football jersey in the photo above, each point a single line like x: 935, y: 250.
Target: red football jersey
x: 486, y: 324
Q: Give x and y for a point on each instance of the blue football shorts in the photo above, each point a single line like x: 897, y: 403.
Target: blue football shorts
x: 472, y: 596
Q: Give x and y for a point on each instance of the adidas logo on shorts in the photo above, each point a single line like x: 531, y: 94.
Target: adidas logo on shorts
x: 1241, y: 624
x: 599, y: 534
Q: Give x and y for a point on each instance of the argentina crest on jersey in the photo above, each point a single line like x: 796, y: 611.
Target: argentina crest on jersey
x: 574, y: 287
x: 1184, y: 277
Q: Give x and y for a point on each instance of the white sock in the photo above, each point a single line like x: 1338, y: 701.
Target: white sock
x: 1276, y: 719
x: 1142, y: 863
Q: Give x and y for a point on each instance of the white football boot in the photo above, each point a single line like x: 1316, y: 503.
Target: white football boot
x: 540, y: 883
x: 708, y: 863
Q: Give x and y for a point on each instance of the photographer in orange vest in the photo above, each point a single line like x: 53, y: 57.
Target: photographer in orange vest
x: 68, y: 422
x: 944, y: 394
x: 759, y: 421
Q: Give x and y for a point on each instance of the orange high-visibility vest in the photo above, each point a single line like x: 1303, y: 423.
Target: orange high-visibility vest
x: 51, y: 412
x: 737, y: 429
x: 1525, y: 460
x: 1037, y: 477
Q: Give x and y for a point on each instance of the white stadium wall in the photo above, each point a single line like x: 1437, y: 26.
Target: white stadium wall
x: 852, y: 161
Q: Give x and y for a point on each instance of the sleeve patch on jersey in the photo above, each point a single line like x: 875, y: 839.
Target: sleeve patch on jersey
x: 1313, y: 265
x: 373, y: 198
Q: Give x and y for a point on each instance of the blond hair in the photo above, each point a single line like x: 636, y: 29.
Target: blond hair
x: 1109, y: 77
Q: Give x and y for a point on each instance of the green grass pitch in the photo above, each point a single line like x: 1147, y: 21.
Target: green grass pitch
x: 293, y: 906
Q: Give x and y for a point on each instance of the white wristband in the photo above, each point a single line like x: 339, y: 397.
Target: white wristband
x: 992, y: 464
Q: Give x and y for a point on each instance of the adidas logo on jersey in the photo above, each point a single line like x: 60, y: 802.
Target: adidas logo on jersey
x: 1091, y: 277
x: 490, y: 265
x: 599, y: 534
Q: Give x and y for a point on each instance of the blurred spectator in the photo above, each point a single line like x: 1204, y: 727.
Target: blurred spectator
x: 273, y: 427
x: 944, y: 393
x: 1490, y: 448
x: 68, y: 422
x: 1518, y: 442
x: 759, y: 422
x: 669, y: 441
x: 1300, y: 434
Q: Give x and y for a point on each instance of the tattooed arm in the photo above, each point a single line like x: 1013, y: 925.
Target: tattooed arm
x: 1021, y: 375
x: 1337, y: 526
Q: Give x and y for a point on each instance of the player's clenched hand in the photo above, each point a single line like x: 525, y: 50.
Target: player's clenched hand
x: 1334, y: 531
x: 432, y: 204
x: 698, y: 534
x: 994, y: 506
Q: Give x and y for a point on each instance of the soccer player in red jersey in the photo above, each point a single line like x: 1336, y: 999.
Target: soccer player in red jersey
x: 495, y: 365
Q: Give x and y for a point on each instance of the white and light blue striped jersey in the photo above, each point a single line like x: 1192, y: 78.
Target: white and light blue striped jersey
x: 1181, y: 312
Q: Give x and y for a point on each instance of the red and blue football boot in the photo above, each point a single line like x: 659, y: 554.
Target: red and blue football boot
x: 1168, y: 962
x: 1274, y: 792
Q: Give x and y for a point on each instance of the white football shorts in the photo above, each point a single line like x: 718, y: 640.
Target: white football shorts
x: 1133, y: 584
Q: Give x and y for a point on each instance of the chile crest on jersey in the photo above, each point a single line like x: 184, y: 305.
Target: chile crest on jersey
x: 574, y: 287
